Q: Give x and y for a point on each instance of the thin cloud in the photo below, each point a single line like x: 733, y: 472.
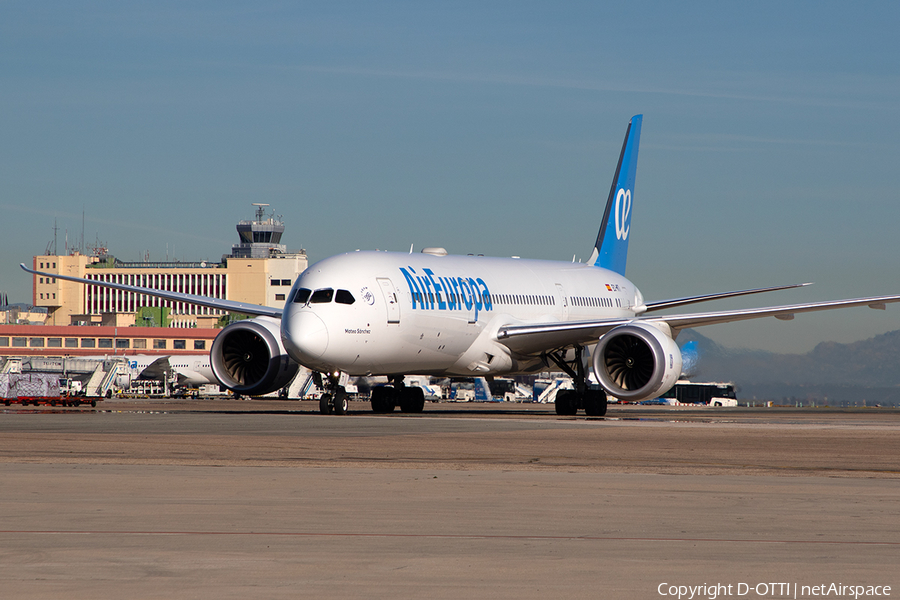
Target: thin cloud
x: 588, y: 85
x: 726, y: 143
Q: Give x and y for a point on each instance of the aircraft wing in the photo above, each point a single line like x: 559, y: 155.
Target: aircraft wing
x: 159, y: 369
x: 539, y: 337
x: 536, y: 338
x: 785, y: 313
x: 227, y: 305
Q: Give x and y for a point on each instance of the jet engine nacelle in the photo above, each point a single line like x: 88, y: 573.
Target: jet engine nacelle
x: 248, y: 357
x: 637, y: 362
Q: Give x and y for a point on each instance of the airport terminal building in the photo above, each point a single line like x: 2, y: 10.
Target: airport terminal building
x: 83, y: 340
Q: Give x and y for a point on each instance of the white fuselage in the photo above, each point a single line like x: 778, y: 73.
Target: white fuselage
x: 192, y: 370
x: 396, y: 313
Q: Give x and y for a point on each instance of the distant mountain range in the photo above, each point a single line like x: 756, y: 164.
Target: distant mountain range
x: 859, y: 373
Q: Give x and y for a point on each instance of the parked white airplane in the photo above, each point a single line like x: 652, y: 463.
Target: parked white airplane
x: 397, y: 314
x: 190, y: 370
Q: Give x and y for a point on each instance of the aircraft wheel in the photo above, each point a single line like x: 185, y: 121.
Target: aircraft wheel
x: 341, y: 404
x: 595, y: 403
x: 382, y: 399
x: 325, y: 404
x: 412, y: 400
x: 93, y: 403
x: 566, y: 405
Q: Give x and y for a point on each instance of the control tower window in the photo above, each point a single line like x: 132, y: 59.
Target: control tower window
x: 302, y: 295
x: 344, y: 297
x: 322, y: 296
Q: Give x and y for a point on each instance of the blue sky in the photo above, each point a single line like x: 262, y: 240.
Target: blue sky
x: 769, y: 149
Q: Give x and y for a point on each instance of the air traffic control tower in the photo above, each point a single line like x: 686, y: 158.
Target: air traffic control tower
x: 261, y: 237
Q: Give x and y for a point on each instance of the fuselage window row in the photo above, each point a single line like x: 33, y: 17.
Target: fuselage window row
x: 593, y: 302
x: 523, y: 299
x: 431, y: 298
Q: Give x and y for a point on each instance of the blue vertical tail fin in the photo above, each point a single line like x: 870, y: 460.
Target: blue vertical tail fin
x: 611, y: 248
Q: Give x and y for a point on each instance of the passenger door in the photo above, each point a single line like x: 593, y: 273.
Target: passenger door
x: 391, y: 299
x: 563, y: 301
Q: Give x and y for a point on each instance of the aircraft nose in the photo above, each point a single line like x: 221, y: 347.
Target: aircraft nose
x: 307, y: 334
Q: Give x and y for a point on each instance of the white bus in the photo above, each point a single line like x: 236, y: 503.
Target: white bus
x: 711, y: 394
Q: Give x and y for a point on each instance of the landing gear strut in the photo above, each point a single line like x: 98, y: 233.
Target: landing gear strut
x: 385, y: 398
x: 335, y: 399
x: 593, y: 401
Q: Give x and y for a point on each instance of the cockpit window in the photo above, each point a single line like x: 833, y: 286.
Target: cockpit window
x: 344, y: 297
x: 322, y: 296
x: 302, y: 295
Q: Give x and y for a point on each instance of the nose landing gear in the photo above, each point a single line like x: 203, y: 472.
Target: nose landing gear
x: 335, y: 399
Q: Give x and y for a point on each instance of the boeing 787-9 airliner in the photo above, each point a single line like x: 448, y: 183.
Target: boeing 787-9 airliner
x: 396, y: 314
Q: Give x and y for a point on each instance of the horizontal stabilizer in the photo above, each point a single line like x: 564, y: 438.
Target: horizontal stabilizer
x: 661, y: 304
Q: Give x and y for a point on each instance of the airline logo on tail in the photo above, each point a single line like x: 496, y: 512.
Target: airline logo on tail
x: 623, y: 211
x: 612, y: 252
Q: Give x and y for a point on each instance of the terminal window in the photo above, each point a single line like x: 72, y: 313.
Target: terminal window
x: 159, y: 344
x: 20, y: 342
x: 4, y: 341
x: 199, y: 344
x: 71, y: 342
x: 179, y: 344
x: 279, y: 296
x: 141, y: 344
x: 88, y: 343
x: 123, y: 343
x: 36, y: 342
x: 105, y: 343
x: 54, y: 342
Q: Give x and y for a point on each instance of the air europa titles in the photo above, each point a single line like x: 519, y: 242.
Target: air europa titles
x: 447, y: 293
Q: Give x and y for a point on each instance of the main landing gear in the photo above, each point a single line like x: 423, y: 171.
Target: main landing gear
x: 386, y: 397
x: 593, y: 401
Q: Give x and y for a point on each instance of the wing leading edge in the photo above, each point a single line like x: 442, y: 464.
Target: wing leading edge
x: 227, y: 305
